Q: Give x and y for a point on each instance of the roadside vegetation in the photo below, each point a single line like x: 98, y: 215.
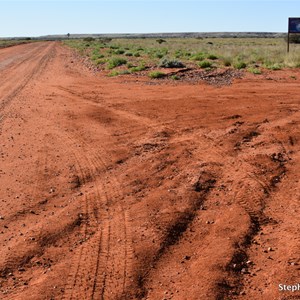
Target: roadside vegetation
x: 9, y: 43
x: 151, y: 56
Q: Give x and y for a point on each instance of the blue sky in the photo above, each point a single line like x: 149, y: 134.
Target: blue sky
x: 41, y: 17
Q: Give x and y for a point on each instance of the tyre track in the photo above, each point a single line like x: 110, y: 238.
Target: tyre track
x: 108, y: 265
x: 39, y: 66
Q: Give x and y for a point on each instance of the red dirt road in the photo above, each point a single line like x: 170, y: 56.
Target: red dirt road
x: 118, y: 188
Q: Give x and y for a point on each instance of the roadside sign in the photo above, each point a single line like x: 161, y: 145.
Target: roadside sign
x: 293, y: 27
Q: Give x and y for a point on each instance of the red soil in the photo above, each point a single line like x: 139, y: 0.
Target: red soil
x: 115, y: 188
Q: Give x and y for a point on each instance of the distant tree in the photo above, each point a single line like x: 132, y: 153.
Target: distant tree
x: 68, y: 35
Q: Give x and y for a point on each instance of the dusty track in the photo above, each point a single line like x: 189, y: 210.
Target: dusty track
x: 120, y: 189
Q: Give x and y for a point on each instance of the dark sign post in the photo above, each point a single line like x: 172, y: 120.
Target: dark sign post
x: 294, y: 27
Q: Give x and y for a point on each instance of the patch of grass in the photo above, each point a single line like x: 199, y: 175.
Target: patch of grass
x: 160, y: 41
x: 97, y: 56
x: 240, y: 65
x: 139, y: 68
x: 113, y: 73
x: 116, y: 62
x: 119, y: 51
x: 249, y: 53
x: 274, y: 67
x: 89, y: 39
x: 198, y: 56
x: 205, y: 64
x: 212, y: 57
x: 117, y: 73
x: 175, y: 77
x: 156, y: 74
x: 255, y: 71
x: 171, y: 63
x: 227, y: 62
x: 100, y: 61
x: 159, y: 55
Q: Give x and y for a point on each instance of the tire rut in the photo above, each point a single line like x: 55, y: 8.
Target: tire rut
x: 107, y: 252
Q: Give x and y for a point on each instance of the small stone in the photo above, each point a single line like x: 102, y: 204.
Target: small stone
x: 270, y: 249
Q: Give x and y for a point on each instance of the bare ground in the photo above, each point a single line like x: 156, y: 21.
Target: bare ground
x: 115, y: 188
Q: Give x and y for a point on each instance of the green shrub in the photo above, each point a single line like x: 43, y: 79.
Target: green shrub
x: 240, y: 65
x: 119, y: 51
x: 159, y: 55
x: 160, y: 41
x: 171, y: 63
x: 97, y: 56
x: 212, y: 57
x: 113, y: 73
x: 175, y: 77
x: 254, y: 71
x: 274, y: 67
x: 205, y: 64
x: 115, y: 62
x: 128, y: 53
x: 139, y: 68
x: 198, y: 56
x: 100, y: 62
x: 156, y: 74
x: 89, y: 39
x: 124, y: 72
x: 137, y: 54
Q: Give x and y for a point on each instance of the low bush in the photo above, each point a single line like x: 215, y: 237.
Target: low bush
x: 159, y: 55
x: 205, y: 64
x: 89, y: 39
x: 212, y: 57
x: 100, y: 62
x: 171, y: 63
x: 116, y: 73
x: 175, y: 77
x: 274, y: 67
x: 198, y: 56
x: 115, y: 62
x: 254, y: 71
x: 139, y: 68
x: 240, y: 65
x: 156, y: 74
x: 119, y: 51
x: 160, y: 41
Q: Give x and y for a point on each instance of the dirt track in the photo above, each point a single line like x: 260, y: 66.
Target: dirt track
x: 115, y: 188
